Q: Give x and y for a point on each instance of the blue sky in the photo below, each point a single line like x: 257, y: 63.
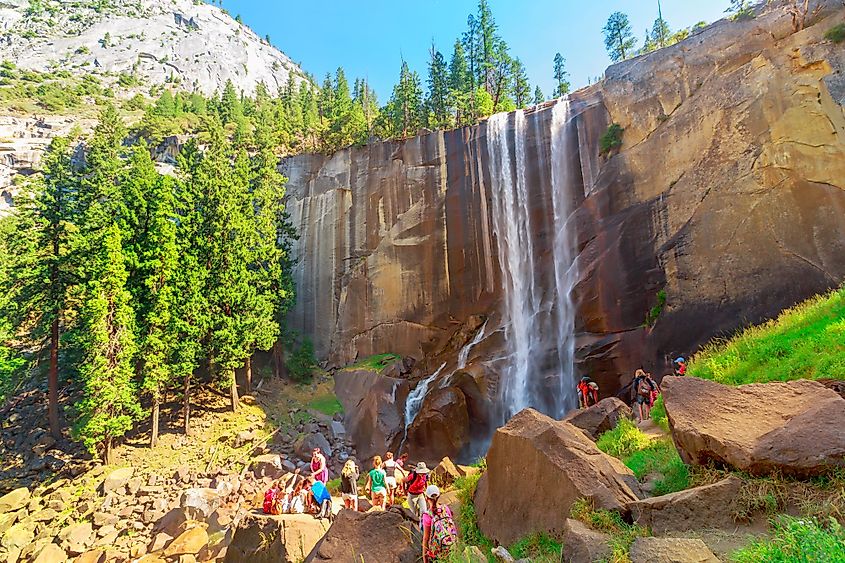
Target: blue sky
x: 368, y: 38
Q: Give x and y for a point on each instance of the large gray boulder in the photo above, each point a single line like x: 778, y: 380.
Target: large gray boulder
x: 794, y: 428
x: 537, y: 467
x: 599, y: 418
x: 371, y: 536
x: 671, y: 550
x: 698, y: 508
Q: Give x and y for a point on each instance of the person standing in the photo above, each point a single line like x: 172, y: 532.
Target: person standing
x: 439, y: 531
x: 319, y: 467
x: 415, y: 488
x: 390, y: 477
x: 349, y: 485
x: 376, y: 484
x: 642, y: 389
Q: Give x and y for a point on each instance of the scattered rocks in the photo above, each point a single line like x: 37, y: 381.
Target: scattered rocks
x: 269, y: 465
x: 18, y: 536
x: 671, y: 550
x: 51, y: 553
x: 117, y: 479
x: 791, y: 427
x: 200, y: 503
x: 78, y: 538
x: 188, y: 542
x: 703, y: 507
x: 599, y: 418
x: 14, y: 500
x: 445, y: 473
x: 532, y: 449
x: 582, y: 543
x: 306, y: 443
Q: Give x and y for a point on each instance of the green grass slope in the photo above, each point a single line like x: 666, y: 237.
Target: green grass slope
x: 805, y: 342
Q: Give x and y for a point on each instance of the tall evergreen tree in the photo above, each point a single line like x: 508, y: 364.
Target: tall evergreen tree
x: 460, y: 85
x: 539, y: 97
x: 618, y: 37
x: 561, y: 76
x: 405, y: 110
x: 231, y: 109
x: 521, y: 87
x: 438, y: 91
x: 109, y: 405
x: 42, y: 266
x: 660, y: 32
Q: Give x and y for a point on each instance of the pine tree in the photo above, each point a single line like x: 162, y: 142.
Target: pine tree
x: 561, y: 76
x: 521, y: 87
x: 405, y: 110
x: 438, y: 91
x: 539, y: 97
x: 460, y: 90
x: 231, y: 110
x: 660, y: 32
x: 42, y: 267
x: 618, y: 38
x: 109, y: 405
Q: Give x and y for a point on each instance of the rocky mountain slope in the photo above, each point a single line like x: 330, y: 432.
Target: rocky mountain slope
x: 188, y: 42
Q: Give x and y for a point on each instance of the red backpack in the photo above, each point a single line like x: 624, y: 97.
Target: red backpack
x: 416, y: 486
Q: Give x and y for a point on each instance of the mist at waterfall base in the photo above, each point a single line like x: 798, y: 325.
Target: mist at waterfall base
x: 537, y: 311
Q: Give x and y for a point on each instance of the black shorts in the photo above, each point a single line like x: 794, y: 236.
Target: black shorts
x: 643, y: 400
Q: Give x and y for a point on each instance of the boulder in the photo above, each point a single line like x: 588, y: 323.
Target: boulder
x: 200, y: 503
x: 306, y: 443
x: 582, y: 543
x: 445, y: 473
x: 374, y: 409
x: 51, y: 553
x: 698, y: 508
x: 188, y: 542
x: 7, y: 519
x: 17, y: 537
x: 93, y: 556
x: 117, y: 479
x: 267, y: 465
x: 442, y: 425
x: 77, y: 538
x: 371, y: 536
x: 791, y: 427
x: 172, y: 522
x: 532, y: 453
x: 599, y: 418
x: 671, y: 550
x: 14, y: 500
x: 261, y: 538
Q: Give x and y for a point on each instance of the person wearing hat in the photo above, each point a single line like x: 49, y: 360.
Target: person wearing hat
x: 680, y: 366
x: 415, y: 486
x: 439, y: 530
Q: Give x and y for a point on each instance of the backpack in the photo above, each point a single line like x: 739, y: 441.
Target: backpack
x: 271, y: 505
x: 443, y: 532
x: 416, y: 486
x: 644, y: 388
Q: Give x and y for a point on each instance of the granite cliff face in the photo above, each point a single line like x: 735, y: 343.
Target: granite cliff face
x: 728, y: 193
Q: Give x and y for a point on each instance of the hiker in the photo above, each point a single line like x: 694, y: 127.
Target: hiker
x: 390, y: 477
x: 273, y: 499
x: 294, y: 502
x: 319, y: 469
x: 349, y: 485
x: 321, y: 498
x: 655, y: 392
x: 376, y: 484
x: 588, y: 392
x: 679, y: 367
x: 439, y: 532
x: 415, y: 486
x: 642, y: 389
x: 403, y: 460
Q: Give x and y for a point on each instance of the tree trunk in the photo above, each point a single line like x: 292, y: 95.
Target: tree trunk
x: 235, y: 399
x: 53, y: 382
x: 280, y: 370
x: 107, y: 450
x: 248, y: 376
x: 187, y: 405
x: 154, y: 426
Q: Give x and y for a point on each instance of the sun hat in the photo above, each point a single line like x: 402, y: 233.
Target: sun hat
x: 679, y: 360
x: 421, y: 468
x: 432, y: 491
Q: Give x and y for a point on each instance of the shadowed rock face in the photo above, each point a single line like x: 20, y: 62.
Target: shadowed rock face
x: 728, y: 194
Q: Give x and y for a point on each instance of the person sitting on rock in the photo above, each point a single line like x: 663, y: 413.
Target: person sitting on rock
x: 349, y: 485
x: 439, y: 531
x: 642, y: 389
x: 390, y: 477
x: 294, y: 502
x: 274, y: 499
x: 415, y: 486
x: 321, y: 498
x: 588, y: 392
x: 319, y: 468
x: 376, y: 485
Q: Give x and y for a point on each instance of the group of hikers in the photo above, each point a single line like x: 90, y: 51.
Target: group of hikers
x: 644, y: 389
x: 386, y: 484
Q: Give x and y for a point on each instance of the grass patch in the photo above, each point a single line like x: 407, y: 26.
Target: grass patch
x: 622, y: 534
x: 836, y: 33
x: 467, y: 522
x: 538, y: 548
x: 334, y: 486
x: 797, y: 540
x: 326, y: 404
x: 658, y: 414
x: 804, y: 342
x: 611, y: 140
x: 375, y: 363
x: 624, y: 440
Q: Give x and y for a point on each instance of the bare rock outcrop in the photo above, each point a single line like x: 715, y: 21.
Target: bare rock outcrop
x: 671, y: 550
x: 533, y: 449
x: 699, y: 508
x: 599, y: 418
x: 792, y: 427
x: 371, y: 536
x: 260, y: 538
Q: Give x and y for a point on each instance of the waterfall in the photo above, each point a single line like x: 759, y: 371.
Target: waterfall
x: 537, y: 312
x: 463, y: 355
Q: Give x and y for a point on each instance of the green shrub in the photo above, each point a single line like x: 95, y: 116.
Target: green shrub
x: 301, y: 362
x: 537, y: 548
x: 654, y: 312
x: 658, y: 414
x: 377, y: 362
x: 624, y: 440
x: 334, y: 486
x: 622, y: 534
x: 468, y: 519
x: 836, y: 33
x: 611, y: 140
x: 797, y: 540
x: 806, y: 341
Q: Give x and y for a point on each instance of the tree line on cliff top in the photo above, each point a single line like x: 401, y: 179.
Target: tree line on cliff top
x: 133, y: 283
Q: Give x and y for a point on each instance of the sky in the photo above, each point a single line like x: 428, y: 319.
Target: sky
x: 369, y: 38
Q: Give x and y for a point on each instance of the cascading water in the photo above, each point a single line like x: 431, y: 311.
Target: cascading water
x: 537, y: 313
x: 463, y: 355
